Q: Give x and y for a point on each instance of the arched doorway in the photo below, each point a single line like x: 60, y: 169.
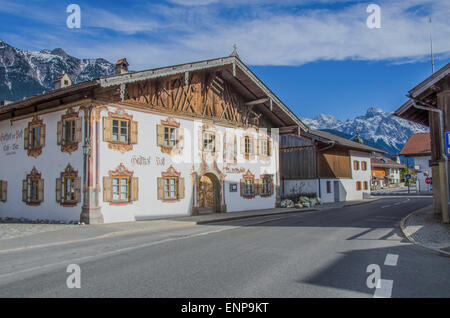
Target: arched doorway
x: 208, y: 194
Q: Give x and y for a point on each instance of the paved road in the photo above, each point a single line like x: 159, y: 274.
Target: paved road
x: 310, y: 254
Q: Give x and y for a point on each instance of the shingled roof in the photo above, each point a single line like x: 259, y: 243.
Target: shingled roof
x: 379, y: 161
x: 417, y: 145
x: 344, y: 142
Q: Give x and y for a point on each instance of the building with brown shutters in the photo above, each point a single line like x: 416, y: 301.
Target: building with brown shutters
x: 331, y: 167
x: 199, y: 137
x: 418, y: 152
x: 385, y: 171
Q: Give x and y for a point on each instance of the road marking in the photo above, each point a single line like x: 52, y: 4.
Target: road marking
x: 384, y: 288
x: 386, y: 206
x: 78, y: 260
x: 391, y: 260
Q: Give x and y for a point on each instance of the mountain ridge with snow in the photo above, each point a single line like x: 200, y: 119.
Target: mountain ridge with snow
x: 26, y: 73
x: 376, y: 127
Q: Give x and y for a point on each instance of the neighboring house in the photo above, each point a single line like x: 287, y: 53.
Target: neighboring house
x: 418, y: 150
x: 331, y: 167
x: 429, y: 104
x: 174, y: 141
x: 385, y: 171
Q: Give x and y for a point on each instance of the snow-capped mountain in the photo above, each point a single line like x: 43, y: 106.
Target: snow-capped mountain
x: 377, y: 128
x: 26, y: 73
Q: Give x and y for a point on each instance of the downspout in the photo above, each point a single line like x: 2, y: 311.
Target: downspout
x: 441, y: 124
x: 332, y: 144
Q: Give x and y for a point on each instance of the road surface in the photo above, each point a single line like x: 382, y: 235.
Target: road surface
x: 310, y: 254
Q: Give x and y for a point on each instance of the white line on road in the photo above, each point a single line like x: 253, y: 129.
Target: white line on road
x: 391, y: 260
x: 133, y: 248
x: 385, y: 206
x: 384, y: 288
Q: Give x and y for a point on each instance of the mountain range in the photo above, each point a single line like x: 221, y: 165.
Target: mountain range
x: 377, y: 128
x: 26, y: 73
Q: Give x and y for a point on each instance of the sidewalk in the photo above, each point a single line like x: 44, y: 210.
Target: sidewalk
x: 17, y: 236
x: 425, y: 229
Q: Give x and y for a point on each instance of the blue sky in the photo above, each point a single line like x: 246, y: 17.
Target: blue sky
x: 317, y: 56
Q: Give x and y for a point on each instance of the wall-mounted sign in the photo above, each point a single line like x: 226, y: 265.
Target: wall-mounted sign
x: 447, y: 143
x: 233, y: 187
x: 233, y: 170
x: 147, y: 161
x: 10, y: 142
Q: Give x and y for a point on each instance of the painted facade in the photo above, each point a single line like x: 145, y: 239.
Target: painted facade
x: 162, y: 143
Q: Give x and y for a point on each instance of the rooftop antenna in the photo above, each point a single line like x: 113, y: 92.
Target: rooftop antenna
x: 431, y: 44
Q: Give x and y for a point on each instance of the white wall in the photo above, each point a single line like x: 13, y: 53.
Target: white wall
x: 424, y: 172
x: 16, y: 165
x: 300, y: 186
x: 347, y: 186
x: 148, y: 206
x: 357, y: 175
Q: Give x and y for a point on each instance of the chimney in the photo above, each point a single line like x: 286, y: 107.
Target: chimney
x: 62, y: 81
x: 121, y: 66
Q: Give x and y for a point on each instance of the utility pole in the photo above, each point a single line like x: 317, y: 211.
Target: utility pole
x: 431, y: 45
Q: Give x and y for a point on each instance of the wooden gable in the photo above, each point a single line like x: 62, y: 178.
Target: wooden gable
x: 203, y: 94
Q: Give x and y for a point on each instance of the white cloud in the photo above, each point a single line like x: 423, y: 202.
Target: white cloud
x: 265, y: 36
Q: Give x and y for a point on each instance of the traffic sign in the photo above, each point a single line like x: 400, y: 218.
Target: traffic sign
x: 447, y: 143
x: 408, y: 176
x: 428, y: 180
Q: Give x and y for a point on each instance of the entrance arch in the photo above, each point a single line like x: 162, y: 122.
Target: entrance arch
x: 208, y: 194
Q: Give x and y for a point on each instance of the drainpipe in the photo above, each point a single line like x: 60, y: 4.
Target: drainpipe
x: 332, y: 144
x: 444, y: 155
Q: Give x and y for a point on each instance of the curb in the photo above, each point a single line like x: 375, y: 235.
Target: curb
x: 409, y: 238
x: 238, y: 217
x: 359, y: 203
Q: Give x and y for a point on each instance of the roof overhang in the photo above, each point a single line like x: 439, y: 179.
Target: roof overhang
x: 234, y: 71
x: 409, y: 112
x: 424, y: 94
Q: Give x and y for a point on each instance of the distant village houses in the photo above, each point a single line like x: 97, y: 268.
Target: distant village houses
x: 385, y: 171
x: 417, y: 150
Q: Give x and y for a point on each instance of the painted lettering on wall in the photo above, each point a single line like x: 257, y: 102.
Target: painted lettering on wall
x: 10, y: 142
x: 147, y: 161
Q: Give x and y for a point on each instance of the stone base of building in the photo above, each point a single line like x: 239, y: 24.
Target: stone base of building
x: 92, y: 215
